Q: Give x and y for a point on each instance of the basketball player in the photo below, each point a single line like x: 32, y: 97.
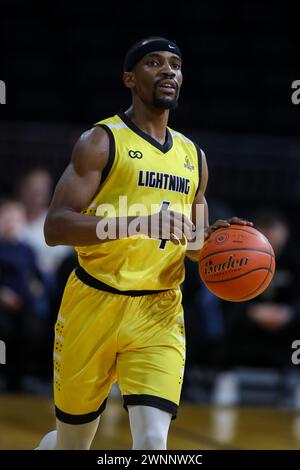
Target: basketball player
x: 121, y: 317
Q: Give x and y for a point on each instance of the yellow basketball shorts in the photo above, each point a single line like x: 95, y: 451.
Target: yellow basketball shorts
x: 102, y: 337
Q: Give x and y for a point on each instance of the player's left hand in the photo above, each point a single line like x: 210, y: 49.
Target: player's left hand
x: 225, y: 223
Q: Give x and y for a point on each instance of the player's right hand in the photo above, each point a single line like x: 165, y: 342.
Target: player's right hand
x: 170, y: 225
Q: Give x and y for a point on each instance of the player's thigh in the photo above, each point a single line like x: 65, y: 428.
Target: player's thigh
x: 84, y: 351
x: 150, y: 368
x: 153, y: 372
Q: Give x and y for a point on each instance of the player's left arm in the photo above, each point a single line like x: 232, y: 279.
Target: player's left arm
x: 203, y: 223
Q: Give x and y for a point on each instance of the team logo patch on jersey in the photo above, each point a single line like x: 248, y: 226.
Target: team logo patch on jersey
x: 188, y: 165
x: 135, y: 154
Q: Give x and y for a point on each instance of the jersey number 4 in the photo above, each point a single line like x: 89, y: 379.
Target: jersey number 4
x: 164, y: 206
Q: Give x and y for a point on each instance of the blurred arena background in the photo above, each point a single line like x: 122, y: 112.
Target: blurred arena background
x: 62, y: 66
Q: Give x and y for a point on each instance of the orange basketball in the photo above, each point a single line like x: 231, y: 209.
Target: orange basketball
x: 237, y: 263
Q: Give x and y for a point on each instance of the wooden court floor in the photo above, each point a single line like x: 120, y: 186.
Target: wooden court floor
x: 25, y: 419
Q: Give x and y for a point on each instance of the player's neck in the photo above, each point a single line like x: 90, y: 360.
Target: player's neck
x: 152, y: 121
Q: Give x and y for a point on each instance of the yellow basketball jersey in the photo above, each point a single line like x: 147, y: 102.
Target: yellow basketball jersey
x: 142, y: 171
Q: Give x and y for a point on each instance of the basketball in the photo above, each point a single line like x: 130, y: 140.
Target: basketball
x: 237, y: 263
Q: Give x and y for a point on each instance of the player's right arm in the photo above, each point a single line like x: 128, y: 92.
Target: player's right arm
x: 66, y: 224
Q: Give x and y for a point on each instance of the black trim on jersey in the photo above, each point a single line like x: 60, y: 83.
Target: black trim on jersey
x: 79, y: 419
x: 111, y: 154
x: 91, y: 281
x: 151, y: 400
x: 199, y: 153
x: 129, y: 123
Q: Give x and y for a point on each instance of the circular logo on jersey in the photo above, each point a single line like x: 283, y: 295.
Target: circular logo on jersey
x: 135, y: 154
x: 221, y: 239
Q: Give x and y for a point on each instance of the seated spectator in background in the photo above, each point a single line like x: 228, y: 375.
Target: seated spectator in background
x: 23, y: 299
x: 261, y: 331
x: 34, y: 191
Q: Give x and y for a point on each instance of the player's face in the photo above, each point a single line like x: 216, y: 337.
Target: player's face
x: 157, y: 79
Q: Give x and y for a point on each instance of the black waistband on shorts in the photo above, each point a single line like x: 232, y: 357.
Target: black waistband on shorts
x: 91, y: 281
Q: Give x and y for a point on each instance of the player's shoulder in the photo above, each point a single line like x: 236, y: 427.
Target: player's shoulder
x: 91, y: 139
x: 99, y: 133
x: 110, y: 122
x: 93, y: 145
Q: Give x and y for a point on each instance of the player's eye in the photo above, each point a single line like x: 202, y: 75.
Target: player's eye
x: 153, y: 63
x: 176, y: 66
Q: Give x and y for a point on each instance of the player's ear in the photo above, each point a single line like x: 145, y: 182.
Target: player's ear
x: 129, y: 79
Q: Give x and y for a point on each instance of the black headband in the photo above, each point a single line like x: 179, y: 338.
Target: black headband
x: 139, y: 50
